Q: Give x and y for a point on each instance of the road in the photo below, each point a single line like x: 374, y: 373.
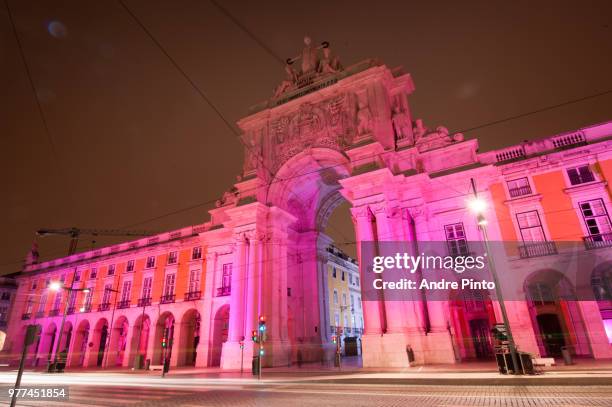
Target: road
x: 115, y: 390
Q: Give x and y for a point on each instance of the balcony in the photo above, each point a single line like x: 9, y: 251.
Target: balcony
x: 193, y: 295
x: 598, y: 241
x: 70, y: 310
x: 25, y: 316
x: 40, y: 314
x: 167, y: 299
x: 520, y: 191
x: 123, y: 304
x: 143, y: 302
x: 537, y: 249
x: 54, y: 312
x: 86, y: 308
x: 224, y: 291
x: 104, y: 306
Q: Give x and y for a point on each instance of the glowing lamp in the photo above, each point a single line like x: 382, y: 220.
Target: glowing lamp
x: 477, y: 205
x: 55, y: 286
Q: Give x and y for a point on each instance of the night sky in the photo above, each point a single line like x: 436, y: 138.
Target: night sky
x: 130, y: 139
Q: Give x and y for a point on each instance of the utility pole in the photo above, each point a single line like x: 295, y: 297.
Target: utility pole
x: 28, y: 340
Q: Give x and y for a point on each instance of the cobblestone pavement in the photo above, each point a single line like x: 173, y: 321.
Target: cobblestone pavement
x: 320, y: 395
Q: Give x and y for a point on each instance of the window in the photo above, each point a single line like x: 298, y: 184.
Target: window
x: 343, y: 299
x: 43, y: 302
x: 519, y: 187
x: 335, y: 297
x: 34, y: 285
x: 337, y: 318
x: 58, y: 300
x: 3, y: 313
x: 333, y: 272
x: 150, y: 262
x: 530, y: 226
x: 107, y: 294
x: 63, y: 279
x: 88, y: 299
x: 540, y: 294
x: 127, y: 290
x: 6, y: 296
x: 146, y: 287
x: 72, y: 301
x: 77, y: 275
x: 111, y: 270
x: 172, y: 257
x: 93, y: 273
x: 288, y: 291
x: 342, y: 275
x: 596, y: 219
x: 352, y: 301
x: 359, y: 302
x: 580, y: 175
x: 350, y: 278
x: 29, y: 305
x: 130, y: 266
x: 357, y: 281
x: 196, y: 253
x: 226, y: 281
x: 169, y: 286
x: 194, y: 281
x: 455, y: 239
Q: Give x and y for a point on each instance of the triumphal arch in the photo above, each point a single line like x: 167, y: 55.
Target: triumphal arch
x: 329, y: 133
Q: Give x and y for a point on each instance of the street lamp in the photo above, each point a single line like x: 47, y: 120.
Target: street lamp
x: 478, y: 206
x: 57, y: 286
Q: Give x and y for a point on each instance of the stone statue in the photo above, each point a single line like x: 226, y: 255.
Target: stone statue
x: 326, y: 63
x: 401, y: 124
x: 309, y: 56
x: 426, y: 139
x: 288, y: 83
x: 32, y: 256
x: 418, y: 130
x: 364, y: 119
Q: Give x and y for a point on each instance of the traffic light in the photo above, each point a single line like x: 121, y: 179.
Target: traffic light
x: 334, y: 339
x: 262, y: 328
x: 164, y: 343
x: 254, y: 336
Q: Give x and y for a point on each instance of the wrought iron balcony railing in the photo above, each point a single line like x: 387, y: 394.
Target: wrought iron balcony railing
x: 105, y: 306
x: 123, y: 304
x: 40, y: 314
x: 598, y: 241
x: 70, y: 310
x: 193, y: 295
x: 537, y: 249
x: 86, y: 308
x: 54, y: 312
x: 520, y: 191
x: 26, y: 315
x: 167, y: 299
x: 143, y: 302
x: 223, y: 291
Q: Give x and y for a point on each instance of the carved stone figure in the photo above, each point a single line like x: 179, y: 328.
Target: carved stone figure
x: 32, y: 256
x: 309, y: 56
x: 326, y: 63
x: 288, y: 83
x: 428, y: 140
x: 401, y: 124
x: 418, y: 130
x: 364, y: 119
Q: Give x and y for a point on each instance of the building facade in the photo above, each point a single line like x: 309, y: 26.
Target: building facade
x: 8, y: 289
x: 344, y: 307
x: 329, y: 135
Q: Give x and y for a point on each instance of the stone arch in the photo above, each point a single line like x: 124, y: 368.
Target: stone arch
x: 219, y: 334
x: 189, y: 337
x: 47, y: 345
x: 118, y: 342
x: 66, y: 336
x: 99, y: 343
x: 555, y: 313
x: 79, y: 347
x: 140, y: 341
x: 601, y: 285
x: 471, y: 317
x: 164, y: 329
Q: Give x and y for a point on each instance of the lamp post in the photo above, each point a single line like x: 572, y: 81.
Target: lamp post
x: 56, y: 286
x: 478, y: 207
x: 110, y: 328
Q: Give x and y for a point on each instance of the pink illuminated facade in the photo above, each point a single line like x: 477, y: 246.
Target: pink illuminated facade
x: 329, y: 135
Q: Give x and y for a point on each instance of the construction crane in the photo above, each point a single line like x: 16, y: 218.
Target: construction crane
x: 74, y: 234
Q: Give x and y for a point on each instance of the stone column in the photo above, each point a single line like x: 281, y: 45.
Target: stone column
x: 207, y: 318
x: 372, y: 317
x: 596, y: 334
x: 239, y: 273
